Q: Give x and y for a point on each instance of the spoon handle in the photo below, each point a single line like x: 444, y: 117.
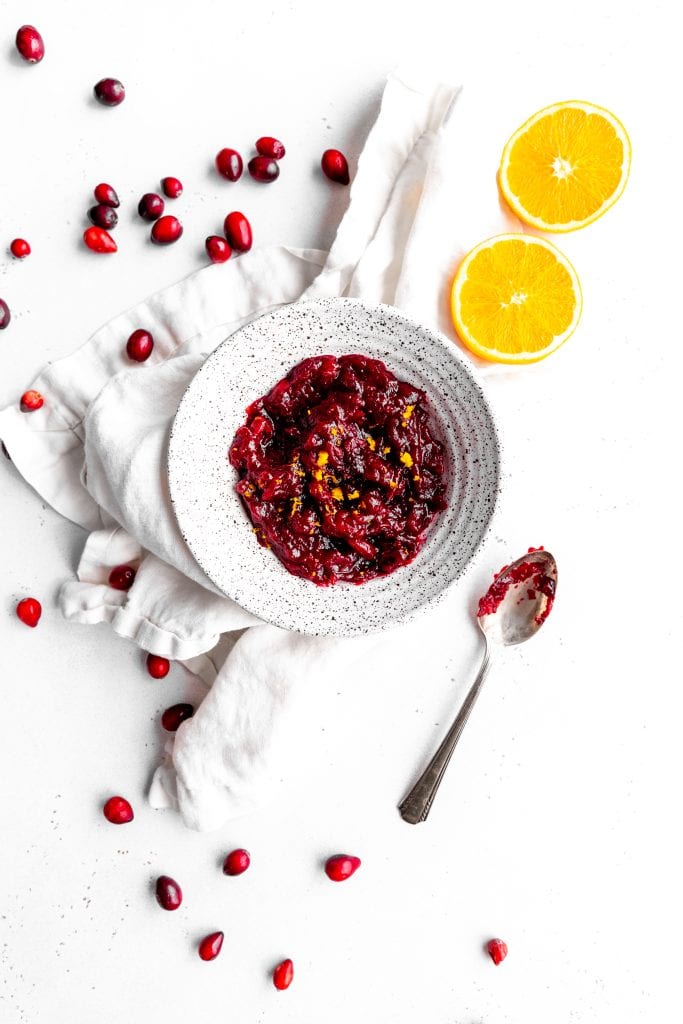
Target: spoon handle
x: 417, y: 804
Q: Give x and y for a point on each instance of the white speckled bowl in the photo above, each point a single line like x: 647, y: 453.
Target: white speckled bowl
x: 211, y: 516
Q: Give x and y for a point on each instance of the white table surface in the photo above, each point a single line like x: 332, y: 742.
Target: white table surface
x: 556, y: 828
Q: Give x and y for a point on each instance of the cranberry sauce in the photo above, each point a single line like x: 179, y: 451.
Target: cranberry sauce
x: 339, y: 470
x: 528, y: 575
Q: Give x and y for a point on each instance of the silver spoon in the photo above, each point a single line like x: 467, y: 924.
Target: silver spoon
x: 513, y: 609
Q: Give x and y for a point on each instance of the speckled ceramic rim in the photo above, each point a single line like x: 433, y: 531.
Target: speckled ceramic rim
x: 211, y: 516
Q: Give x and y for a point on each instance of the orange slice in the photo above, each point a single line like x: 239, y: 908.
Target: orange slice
x: 565, y: 166
x: 515, y: 299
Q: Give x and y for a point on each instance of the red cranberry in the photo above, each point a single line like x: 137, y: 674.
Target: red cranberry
x: 283, y: 975
x: 238, y: 231
x: 106, y: 195
x: 229, y: 163
x: 99, y: 240
x: 20, y: 248
x: 172, y: 187
x: 122, y: 577
x: 497, y: 950
x: 157, y: 666
x: 263, y: 168
x: 217, y: 249
x: 341, y: 866
x: 5, y: 315
x: 166, y: 230
x: 118, y: 811
x: 103, y: 216
x: 110, y: 92
x: 29, y: 611
x: 139, y: 346
x: 210, y: 946
x: 151, y: 206
x: 174, y: 716
x: 30, y: 44
x: 31, y: 400
x: 268, y: 146
x: 168, y: 892
x: 236, y: 863
x: 335, y: 166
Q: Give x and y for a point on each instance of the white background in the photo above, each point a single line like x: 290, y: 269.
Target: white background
x: 556, y: 827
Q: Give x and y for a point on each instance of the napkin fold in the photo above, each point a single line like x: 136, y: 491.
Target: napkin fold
x: 106, y: 471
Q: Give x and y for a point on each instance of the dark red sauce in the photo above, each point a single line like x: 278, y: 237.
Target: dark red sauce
x: 528, y: 573
x: 339, y: 471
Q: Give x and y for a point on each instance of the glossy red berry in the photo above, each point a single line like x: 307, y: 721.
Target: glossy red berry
x: 497, y: 950
x: 151, y: 206
x: 157, y: 666
x: 238, y: 231
x: 268, y: 146
x: 174, y: 716
x: 341, y: 866
x: 109, y: 92
x: 99, y: 240
x: 106, y: 195
x: 335, y: 166
x: 29, y: 611
x: 229, y: 164
x: 20, y: 248
x: 166, y: 230
x: 168, y: 892
x: 236, y: 862
x: 217, y: 249
x: 5, y: 315
x: 31, y: 400
x: 30, y: 44
x: 263, y: 168
x: 283, y: 975
x: 210, y: 946
x: 103, y: 216
x: 118, y: 811
x: 122, y: 577
x: 139, y: 346
x: 172, y: 187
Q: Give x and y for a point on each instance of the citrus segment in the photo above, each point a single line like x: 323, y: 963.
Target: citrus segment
x: 515, y: 299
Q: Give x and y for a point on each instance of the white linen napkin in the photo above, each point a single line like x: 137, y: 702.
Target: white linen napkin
x: 106, y: 471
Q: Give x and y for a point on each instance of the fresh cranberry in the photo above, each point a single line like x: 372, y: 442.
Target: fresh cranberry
x: 236, y: 862
x: 229, y: 163
x: 122, y: 577
x: 106, y: 195
x: 166, y: 230
x: 283, y: 975
x: 20, y: 248
x: 341, y: 866
x: 268, y: 146
x: 29, y: 611
x: 174, y: 716
x: 497, y: 950
x: 157, y: 666
x: 238, y: 231
x: 335, y: 166
x: 172, y: 187
x: 217, y: 249
x: 5, y: 315
x: 110, y: 92
x: 30, y: 44
x: 31, y: 400
x: 263, y: 168
x: 151, y: 206
x: 139, y: 346
x: 168, y: 892
x: 103, y: 216
x: 210, y: 946
x: 99, y: 240
x: 118, y: 811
